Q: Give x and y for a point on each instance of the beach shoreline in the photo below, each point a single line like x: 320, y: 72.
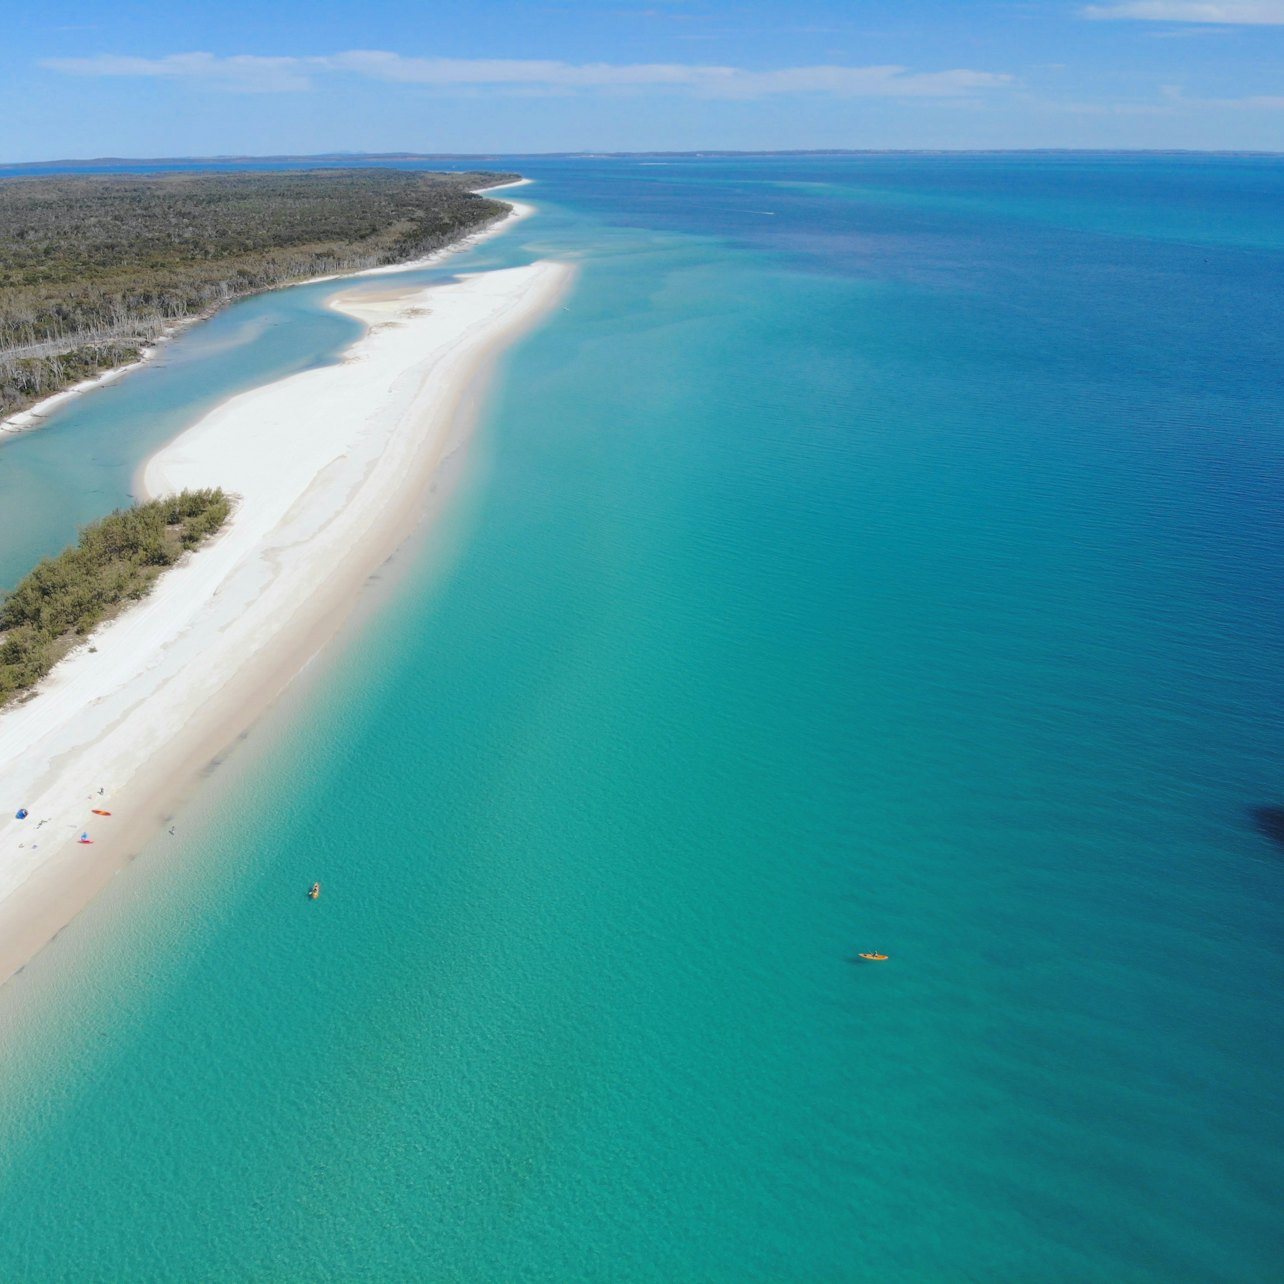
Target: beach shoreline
x: 34, y: 416
x: 333, y: 468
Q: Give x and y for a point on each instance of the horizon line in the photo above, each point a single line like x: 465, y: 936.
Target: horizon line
x: 694, y: 153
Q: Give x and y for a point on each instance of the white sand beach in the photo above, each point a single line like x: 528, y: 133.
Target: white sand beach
x: 332, y: 467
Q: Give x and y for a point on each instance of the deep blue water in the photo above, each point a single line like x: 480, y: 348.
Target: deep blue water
x: 878, y: 553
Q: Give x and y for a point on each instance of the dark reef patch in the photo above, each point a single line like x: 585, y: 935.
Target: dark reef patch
x: 1270, y: 823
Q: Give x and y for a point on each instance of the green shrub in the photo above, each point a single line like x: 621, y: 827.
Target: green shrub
x: 115, y: 560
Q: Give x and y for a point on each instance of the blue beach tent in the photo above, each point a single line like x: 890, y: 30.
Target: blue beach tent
x: 21, y: 814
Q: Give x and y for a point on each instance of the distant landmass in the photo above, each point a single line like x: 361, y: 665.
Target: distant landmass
x: 393, y: 158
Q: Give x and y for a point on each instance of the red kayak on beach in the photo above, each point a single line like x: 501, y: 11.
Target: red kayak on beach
x: 98, y: 811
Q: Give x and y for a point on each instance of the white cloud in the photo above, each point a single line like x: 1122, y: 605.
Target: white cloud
x: 1255, y: 102
x: 247, y: 72
x: 1230, y: 12
x: 244, y: 71
x: 1175, y: 98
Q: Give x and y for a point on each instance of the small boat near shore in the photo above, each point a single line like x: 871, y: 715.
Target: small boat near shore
x: 874, y: 958
x: 314, y: 891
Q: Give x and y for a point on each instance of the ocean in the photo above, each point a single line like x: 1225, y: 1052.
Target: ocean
x: 875, y: 554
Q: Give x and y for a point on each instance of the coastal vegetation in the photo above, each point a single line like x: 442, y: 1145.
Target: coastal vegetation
x: 115, y: 561
x: 93, y: 268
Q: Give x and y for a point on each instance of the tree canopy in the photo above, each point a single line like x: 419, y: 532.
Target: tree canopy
x: 93, y: 267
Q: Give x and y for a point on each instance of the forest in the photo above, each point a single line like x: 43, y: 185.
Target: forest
x: 114, y: 562
x: 95, y: 267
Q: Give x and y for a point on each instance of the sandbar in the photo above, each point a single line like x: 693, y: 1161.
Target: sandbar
x: 331, y: 468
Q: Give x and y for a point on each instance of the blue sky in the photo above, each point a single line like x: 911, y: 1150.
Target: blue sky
x: 124, y: 78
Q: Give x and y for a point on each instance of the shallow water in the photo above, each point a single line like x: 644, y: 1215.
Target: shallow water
x: 877, y: 553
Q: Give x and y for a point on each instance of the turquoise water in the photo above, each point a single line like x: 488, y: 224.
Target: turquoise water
x: 876, y: 554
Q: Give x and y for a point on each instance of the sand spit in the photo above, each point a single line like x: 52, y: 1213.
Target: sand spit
x: 332, y: 467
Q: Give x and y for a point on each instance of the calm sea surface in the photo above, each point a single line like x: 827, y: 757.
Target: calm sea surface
x: 875, y: 554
